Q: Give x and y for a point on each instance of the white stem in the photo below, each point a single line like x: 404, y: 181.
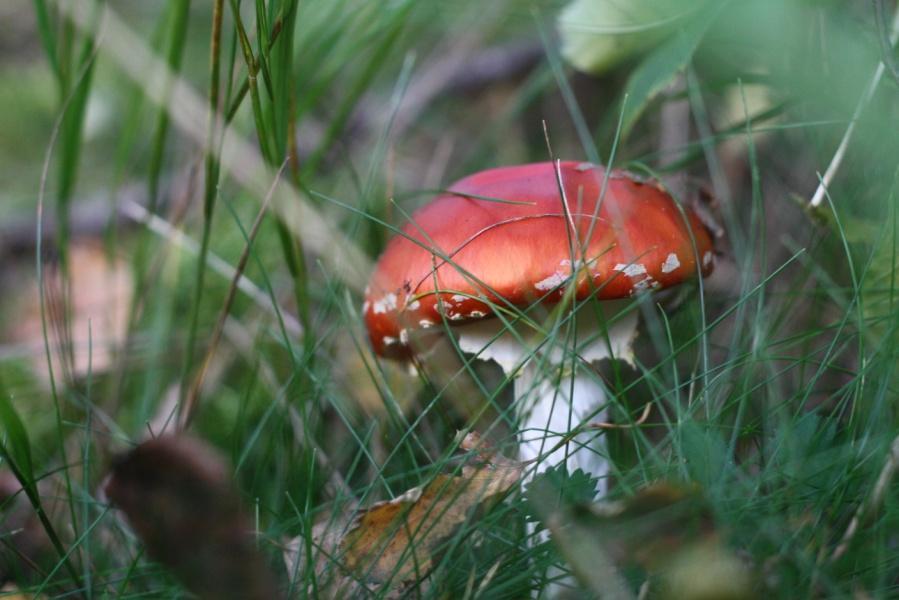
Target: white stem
x: 550, y: 405
x: 550, y: 400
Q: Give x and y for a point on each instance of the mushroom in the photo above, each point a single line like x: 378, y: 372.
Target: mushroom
x: 484, y: 257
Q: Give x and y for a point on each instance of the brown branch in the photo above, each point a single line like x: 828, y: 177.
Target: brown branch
x: 640, y: 421
x: 875, y: 501
x: 465, y: 71
x: 193, y: 394
x: 92, y: 215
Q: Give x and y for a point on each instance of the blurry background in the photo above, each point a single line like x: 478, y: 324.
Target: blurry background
x: 773, y: 387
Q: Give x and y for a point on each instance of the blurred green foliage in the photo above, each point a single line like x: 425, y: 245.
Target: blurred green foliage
x: 773, y: 390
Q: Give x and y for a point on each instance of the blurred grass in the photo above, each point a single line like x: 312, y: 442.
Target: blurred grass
x: 775, y: 393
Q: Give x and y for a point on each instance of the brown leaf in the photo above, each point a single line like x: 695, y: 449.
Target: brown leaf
x: 473, y: 442
x: 321, y: 554
x: 179, y: 499
x: 85, y: 335
x: 651, y: 525
x: 396, y: 540
x: 667, y: 529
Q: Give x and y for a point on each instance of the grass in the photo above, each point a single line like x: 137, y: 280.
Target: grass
x: 773, y: 384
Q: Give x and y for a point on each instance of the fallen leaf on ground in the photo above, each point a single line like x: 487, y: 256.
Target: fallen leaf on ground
x: 100, y: 292
x: 651, y: 525
x: 667, y: 529
x: 318, y: 553
x: 394, y: 542
x: 397, y: 538
x: 473, y: 442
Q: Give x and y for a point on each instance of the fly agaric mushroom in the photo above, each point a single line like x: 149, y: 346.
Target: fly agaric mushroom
x: 504, y: 241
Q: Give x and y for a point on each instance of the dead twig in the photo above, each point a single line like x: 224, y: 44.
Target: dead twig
x: 875, y: 501
x: 190, y: 401
x: 640, y: 421
x: 460, y: 71
x: 840, y: 154
x: 92, y: 215
x: 163, y: 228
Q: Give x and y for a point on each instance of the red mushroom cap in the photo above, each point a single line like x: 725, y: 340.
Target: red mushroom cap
x: 504, y: 236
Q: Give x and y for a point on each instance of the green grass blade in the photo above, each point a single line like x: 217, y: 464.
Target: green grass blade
x: 662, y: 64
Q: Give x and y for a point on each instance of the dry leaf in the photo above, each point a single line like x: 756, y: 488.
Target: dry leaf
x: 325, y: 540
x: 100, y: 296
x: 651, y: 526
x: 11, y: 592
x: 473, y: 442
x: 666, y: 529
x: 179, y: 499
x: 396, y: 540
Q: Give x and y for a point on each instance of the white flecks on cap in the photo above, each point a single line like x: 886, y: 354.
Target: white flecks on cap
x: 458, y: 298
x: 425, y: 323
x: 551, y: 282
x: 631, y: 269
x: 477, y: 314
x: 671, y: 263
x: 385, y: 304
x: 414, y: 305
x: 645, y: 284
x: 390, y: 340
x: 560, y: 276
x: 455, y: 316
x: 404, y: 336
x: 584, y: 166
x: 707, y: 258
x: 578, y: 264
x: 365, y: 306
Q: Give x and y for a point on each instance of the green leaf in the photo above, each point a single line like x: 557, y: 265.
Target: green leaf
x: 705, y: 452
x: 15, y: 447
x: 663, y: 63
x: 599, y: 35
x: 564, y: 487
